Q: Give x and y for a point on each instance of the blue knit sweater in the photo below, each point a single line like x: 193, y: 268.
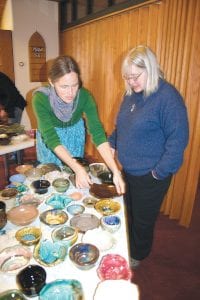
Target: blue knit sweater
x: 151, y: 133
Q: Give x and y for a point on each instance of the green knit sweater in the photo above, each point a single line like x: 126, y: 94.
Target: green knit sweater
x: 47, y: 121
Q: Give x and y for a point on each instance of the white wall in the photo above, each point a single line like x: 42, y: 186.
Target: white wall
x: 30, y: 16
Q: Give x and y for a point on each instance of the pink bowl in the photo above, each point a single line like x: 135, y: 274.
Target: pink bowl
x: 114, y: 266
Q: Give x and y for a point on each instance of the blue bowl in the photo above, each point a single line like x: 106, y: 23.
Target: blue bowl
x: 62, y: 289
x: 18, y: 178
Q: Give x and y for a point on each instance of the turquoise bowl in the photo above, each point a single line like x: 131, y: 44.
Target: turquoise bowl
x: 62, y: 289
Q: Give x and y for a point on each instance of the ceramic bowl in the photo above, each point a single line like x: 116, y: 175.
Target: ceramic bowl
x: 14, y: 258
x: 106, y: 177
x: 19, y: 138
x: 40, y: 186
x: 58, y: 201
x: 103, y: 190
x: 61, y: 185
x: 68, y: 235
x: 75, y: 209
x: 89, y: 202
x: 84, y: 256
x: 9, y: 193
x: 107, y: 207
x: 114, y: 266
x: 21, y: 169
x: 28, y: 235
x: 33, y: 174
x: 12, y: 294
x: 31, y: 280
x: 102, y: 239
x: 17, y: 178
x: 119, y: 288
x: 30, y: 199
x: 23, y: 214
x: 49, y: 253
x: 111, y: 223
x: 85, y: 222
x: 53, y: 217
x: 62, y: 289
x: 46, y: 168
x: 97, y: 168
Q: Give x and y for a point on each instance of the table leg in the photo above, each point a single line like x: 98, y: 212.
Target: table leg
x: 6, y: 168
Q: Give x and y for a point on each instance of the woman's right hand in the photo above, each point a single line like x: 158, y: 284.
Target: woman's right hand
x: 82, y: 178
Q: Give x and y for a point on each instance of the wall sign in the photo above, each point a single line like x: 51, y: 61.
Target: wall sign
x: 37, y: 58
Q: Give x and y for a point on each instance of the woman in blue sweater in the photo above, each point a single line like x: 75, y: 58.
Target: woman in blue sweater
x: 150, y: 138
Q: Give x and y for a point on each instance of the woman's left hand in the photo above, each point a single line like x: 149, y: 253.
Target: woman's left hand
x: 119, y: 182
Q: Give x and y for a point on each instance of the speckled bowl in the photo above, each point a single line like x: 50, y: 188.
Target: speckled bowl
x: 111, y: 223
x: 68, y: 235
x: 84, y: 256
x: 28, y: 235
x: 61, y: 185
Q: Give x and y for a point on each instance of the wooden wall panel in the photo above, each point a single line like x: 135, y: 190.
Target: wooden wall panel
x: 171, y: 28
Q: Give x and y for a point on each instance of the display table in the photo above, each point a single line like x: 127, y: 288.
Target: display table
x: 4, y: 150
x: 67, y: 270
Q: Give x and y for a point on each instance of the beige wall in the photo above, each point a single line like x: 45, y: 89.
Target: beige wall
x: 30, y: 16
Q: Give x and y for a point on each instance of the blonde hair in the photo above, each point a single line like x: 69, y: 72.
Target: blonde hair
x: 144, y: 58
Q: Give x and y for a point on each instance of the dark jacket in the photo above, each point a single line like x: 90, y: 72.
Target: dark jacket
x: 10, y: 97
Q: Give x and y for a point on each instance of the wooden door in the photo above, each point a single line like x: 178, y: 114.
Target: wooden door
x: 6, y: 53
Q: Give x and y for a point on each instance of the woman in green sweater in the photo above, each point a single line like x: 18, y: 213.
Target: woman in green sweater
x: 59, y: 109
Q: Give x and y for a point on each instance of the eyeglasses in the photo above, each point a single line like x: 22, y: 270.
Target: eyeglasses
x: 132, y: 77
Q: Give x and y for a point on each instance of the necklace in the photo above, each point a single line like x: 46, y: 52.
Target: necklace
x: 132, y: 107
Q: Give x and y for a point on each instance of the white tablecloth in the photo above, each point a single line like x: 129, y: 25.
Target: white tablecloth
x: 66, y: 270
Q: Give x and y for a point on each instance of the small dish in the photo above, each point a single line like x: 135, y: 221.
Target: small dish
x: 31, y: 280
x: 61, y: 185
x: 30, y: 199
x: 75, y: 209
x: 119, y: 288
x: 28, y: 235
x: 89, y: 202
x: 54, y: 217
x: 97, y: 168
x: 33, y: 174
x: 49, y: 253
x: 103, y: 190
x: 84, y: 256
x: 84, y: 222
x: 19, y: 138
x: 19, y: 178
x: 12, y: 294
x: 9, y: 193
x: 58, y: 201
x: 76, y: 195
x: 107, y: 207
x: 62, y: 289
x: 102, y: 239
x: 111, y: 223
x: 68, y: 235
x: 46, y: 168
x: 14, y: 258
x: 21, y: 169
x: 40, y: 186
x: 114, y: 266
x: 23, y: 214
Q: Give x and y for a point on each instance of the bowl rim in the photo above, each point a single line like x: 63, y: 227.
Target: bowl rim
x: 89, y: 263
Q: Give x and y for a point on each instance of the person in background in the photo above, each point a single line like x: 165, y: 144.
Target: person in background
x: 3, y: 115
x: 150, y: 137
x: 59, y: 110
x: 11, y: 99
